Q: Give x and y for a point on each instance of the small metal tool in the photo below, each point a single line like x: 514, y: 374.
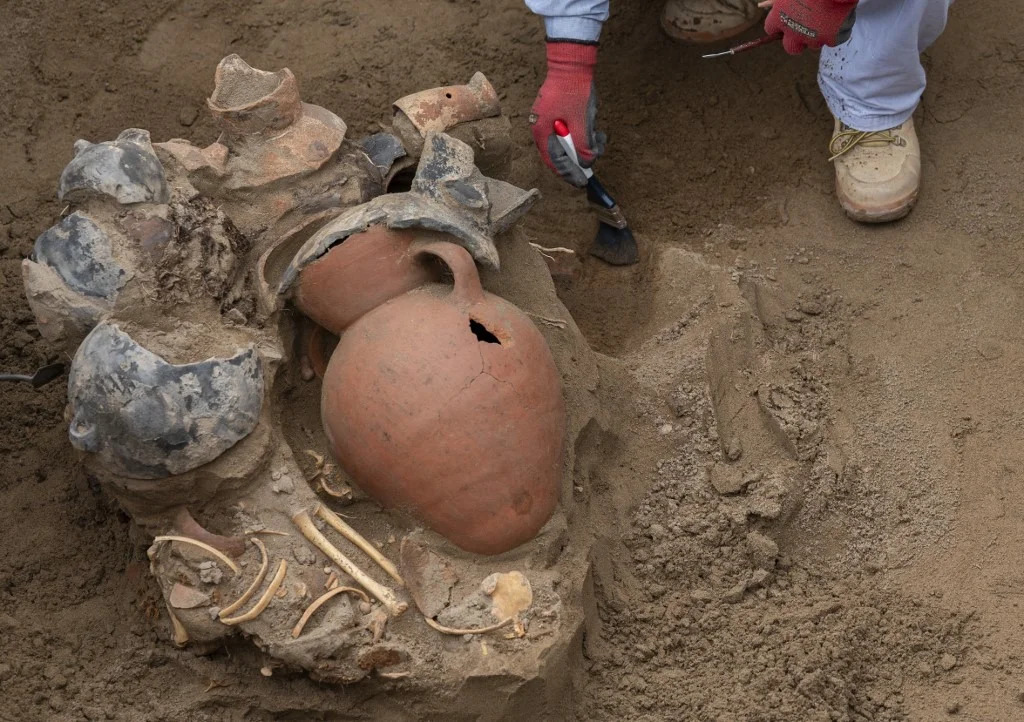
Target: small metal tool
x: 743, y: 47
x: 40, y: 378
x: 844, y: 34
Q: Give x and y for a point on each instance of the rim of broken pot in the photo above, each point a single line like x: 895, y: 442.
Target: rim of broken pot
x: 284, y: 96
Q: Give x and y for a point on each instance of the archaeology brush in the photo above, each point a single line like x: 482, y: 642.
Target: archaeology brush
x: 614, y: 242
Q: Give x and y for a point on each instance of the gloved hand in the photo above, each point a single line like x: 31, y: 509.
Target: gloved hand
x: 807, y: 23
x: 568, y: 94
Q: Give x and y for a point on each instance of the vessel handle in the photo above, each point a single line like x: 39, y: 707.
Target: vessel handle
x: 467, y: 288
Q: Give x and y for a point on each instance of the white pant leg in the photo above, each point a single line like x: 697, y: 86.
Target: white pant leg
x: 874, y: 81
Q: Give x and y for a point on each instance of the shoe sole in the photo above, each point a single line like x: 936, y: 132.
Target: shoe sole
x: 705, y: 38
x: 886, y: 214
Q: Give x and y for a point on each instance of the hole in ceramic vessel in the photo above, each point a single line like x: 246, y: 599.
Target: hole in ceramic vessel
x: 481, y: 332
x: 448, y: 95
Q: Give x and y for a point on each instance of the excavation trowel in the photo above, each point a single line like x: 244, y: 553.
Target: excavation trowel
x: 40, y: 378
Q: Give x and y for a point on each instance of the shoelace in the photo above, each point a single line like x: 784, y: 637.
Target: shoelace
x: 847, y: 139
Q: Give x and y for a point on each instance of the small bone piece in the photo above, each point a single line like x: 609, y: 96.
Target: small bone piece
x: 202, y: 545
x: 297, y: 630
x: 346, y: 494
x: 264, y: 601
x: 256, y: 583
x: 359, y: 540
x: 385, y: 595
x: 180, y: 633
x: 511, y: 594
x: 318, y: 459
x: 377, y: 624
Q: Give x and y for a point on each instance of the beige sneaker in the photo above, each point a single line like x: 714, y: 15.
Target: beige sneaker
x: 708, y: 21
x: 878, y: 173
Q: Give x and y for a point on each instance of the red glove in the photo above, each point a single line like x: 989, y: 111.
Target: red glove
x: 808, y: 23
x: 568, y: 94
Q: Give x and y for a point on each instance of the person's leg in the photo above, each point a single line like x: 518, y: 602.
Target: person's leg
x: 875, y: 80
x: 872, y: 85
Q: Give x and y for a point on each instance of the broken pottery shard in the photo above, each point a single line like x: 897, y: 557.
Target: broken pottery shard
x: 448, y: 195
x: 383, y: 150
x: 399, y: 211
x: 440, y: 109
x: 126, y: 170
x: 61, y: 314
x: 246, y: 100
x: 147, y: 418
x: 428, y: 576
x: 80, y: 252
x: 381, y: 656
x: 268, y: 132
x: 447, y: 174
x: 183, y: 597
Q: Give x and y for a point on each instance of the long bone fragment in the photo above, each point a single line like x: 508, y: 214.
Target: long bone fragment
x: 387, y: 597
x: 359, y: 540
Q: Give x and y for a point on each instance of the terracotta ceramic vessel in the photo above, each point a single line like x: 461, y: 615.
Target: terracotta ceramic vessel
x: 359, y: 274
x: 446, y: 402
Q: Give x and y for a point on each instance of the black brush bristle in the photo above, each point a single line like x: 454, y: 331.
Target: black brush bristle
x: 616, y: 246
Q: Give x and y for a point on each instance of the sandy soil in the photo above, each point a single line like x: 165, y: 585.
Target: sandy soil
x: 864, y: 565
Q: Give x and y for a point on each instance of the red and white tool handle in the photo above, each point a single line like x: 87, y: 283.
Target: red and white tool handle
x: 565, y: 140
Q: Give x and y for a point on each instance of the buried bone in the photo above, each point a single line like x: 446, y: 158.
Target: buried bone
x: 264, y: 601
x: 320, y: 601
x: 256, y: 583
x: 511, y: 595
x: 386, y: 597
x: 359, y: 540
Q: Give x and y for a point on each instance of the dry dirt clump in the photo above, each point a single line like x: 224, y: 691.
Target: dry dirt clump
x: 725, y: 628
x: 723, y: 604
